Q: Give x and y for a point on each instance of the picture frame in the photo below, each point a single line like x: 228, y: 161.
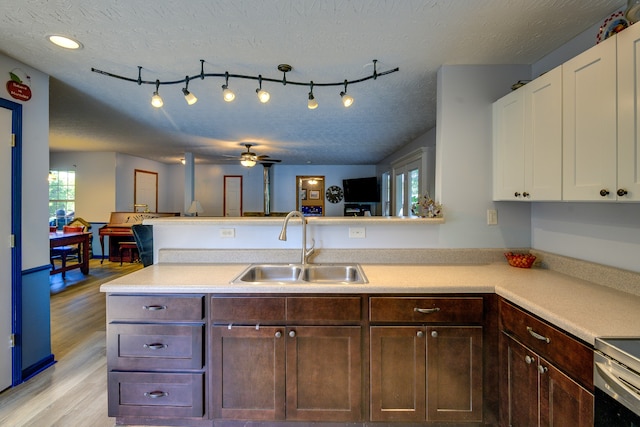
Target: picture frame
x: 314, y: 194
x: 303, y: 194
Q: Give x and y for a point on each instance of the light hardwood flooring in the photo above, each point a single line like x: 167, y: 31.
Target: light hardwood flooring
x: 73, y: 392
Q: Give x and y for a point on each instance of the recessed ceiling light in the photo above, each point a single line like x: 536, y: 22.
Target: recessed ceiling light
x: 65, y: 42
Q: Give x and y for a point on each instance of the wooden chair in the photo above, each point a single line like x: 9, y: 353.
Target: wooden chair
x: 65, y: 252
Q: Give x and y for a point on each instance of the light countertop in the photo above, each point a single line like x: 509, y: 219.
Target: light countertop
x: 582, y: 308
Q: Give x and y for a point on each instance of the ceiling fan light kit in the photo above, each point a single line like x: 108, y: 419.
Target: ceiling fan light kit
x: 263, y: 96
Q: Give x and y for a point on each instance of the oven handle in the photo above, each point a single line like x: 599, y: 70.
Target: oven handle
x: 618, y: 386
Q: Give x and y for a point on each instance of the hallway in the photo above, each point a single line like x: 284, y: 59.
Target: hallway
x: 73, y: 392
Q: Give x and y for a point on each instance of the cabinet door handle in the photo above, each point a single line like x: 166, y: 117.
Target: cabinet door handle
x: 420, y: 334
x: 426, y: 310
x: 622, y: 192
x: 278, y: 334
x: 155, y: 346
x: 292, y: 334
x: 525, y: 194
x: 528, y: 359
x: 537, y: 335
x: 516, y: 194
x: 604, y: 192
x: 434, y: 334
x: 542, y: 369
x: 154, y: 307
x: 156, y: 394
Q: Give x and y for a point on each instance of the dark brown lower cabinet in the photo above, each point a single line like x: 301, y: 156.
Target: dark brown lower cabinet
x: 535, y: 393
x: 301, y: 373
x: 426, y: 373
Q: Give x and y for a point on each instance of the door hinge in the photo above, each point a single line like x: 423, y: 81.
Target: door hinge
x: 12, y: 340
x: 13, y: 139
x: 12, y: 241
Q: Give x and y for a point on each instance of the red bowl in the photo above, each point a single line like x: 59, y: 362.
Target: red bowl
x: 520, y: 260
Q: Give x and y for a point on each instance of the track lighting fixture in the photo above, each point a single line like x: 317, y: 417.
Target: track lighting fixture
x: 227, y: 94
x: 263, y: 95
x: 347, y: 100
x: 156, y: 100
x: 312, y: 104
x: 188, y: 96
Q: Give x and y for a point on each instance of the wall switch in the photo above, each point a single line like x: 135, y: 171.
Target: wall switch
x: 227, y: 232
x: 492, y: 217
x: 357, y: 233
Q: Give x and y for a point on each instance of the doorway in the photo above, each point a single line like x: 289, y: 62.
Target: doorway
x: 10, y: 185
x: 233, y: 195
x: 310, y: 195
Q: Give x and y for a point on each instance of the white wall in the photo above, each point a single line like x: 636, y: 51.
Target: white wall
x: 464, y: 163
x: 125, y: 173
x: 209, y: 185
x: 35, y: 159
x: 95, y: 182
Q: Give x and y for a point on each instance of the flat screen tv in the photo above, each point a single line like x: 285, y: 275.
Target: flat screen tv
x: 361, y: 190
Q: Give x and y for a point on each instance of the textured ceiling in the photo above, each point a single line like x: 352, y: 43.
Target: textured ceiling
x: 324, y: 41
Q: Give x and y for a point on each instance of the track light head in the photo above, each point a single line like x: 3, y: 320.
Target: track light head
x: 227, y: 94
x: 156, y: 99
x: 188, y: 96
x: 312, y: 104
x: 263, y: 95
x: 347, y: 100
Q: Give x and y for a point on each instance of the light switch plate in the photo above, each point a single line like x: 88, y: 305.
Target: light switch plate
x: 492, y: 217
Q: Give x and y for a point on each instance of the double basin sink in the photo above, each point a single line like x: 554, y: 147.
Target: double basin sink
x: 302, y: 273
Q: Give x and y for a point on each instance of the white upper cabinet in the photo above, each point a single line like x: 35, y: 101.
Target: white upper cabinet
x: 508, y: 146
x: 628, y: 185
x: 527, y: 141
x: 589, y: 124
x: 543, y: 137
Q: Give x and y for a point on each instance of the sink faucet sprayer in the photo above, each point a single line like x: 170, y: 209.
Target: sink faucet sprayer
x: 283, y: 234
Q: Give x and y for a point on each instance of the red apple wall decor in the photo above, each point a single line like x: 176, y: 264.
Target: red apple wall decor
x: 17, y: 89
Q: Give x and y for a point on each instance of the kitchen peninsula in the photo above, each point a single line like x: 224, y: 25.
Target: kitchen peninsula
x: 252, y: 352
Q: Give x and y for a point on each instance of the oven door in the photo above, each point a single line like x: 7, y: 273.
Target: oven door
x: 617, y: 394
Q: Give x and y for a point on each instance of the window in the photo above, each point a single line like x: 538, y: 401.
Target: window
x: 62, y: 197
x: 407, y: 173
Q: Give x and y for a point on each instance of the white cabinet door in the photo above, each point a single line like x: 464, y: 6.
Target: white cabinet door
x: 589, y: 124
x: 629, y: 114
x: 543, y: 137
x: 508, y: 146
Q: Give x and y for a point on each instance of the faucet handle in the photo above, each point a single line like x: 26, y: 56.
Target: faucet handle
x: 312, y: 248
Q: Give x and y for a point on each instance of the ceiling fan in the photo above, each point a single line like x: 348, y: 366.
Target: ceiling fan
x: 249, y: 159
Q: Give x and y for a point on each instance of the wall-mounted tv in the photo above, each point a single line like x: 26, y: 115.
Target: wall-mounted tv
x: 360, y: 190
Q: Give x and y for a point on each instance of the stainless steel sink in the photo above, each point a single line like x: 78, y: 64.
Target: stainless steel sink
x: 271, y: 273
x: 300, y: 274
x: 333, y: 273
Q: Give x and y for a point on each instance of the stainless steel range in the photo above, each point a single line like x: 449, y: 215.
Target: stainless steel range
x: 616, y: 375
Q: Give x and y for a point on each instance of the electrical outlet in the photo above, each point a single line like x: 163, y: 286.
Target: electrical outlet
x: 492, y: 217
x: 228, y: 232
x: 357, y: 233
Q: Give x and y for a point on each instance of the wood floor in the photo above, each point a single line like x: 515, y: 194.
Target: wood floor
x: 73, y: 392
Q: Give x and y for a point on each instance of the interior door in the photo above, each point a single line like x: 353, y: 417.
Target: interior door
x: 232, y: 195
x: 5, y: 249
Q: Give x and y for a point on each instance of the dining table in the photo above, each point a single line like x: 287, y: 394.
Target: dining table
x: 59, y: 238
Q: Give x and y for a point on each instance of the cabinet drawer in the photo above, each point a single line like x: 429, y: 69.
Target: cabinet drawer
x: 324, y: 308
x: 155, y: 307
x: 160, y: 346
x: 144, y: 394
x: 426, y: 310
x: 567, y: 353
x: 248, y: 310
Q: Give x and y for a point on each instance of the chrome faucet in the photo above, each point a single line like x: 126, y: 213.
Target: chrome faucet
x: 283, y: 234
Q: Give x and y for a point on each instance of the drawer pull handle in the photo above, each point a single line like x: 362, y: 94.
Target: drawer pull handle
x: 537, y: 335
x: 154, y: 307
x: 156, y: 394
x: 155, y: 346
x: 426, y: 310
